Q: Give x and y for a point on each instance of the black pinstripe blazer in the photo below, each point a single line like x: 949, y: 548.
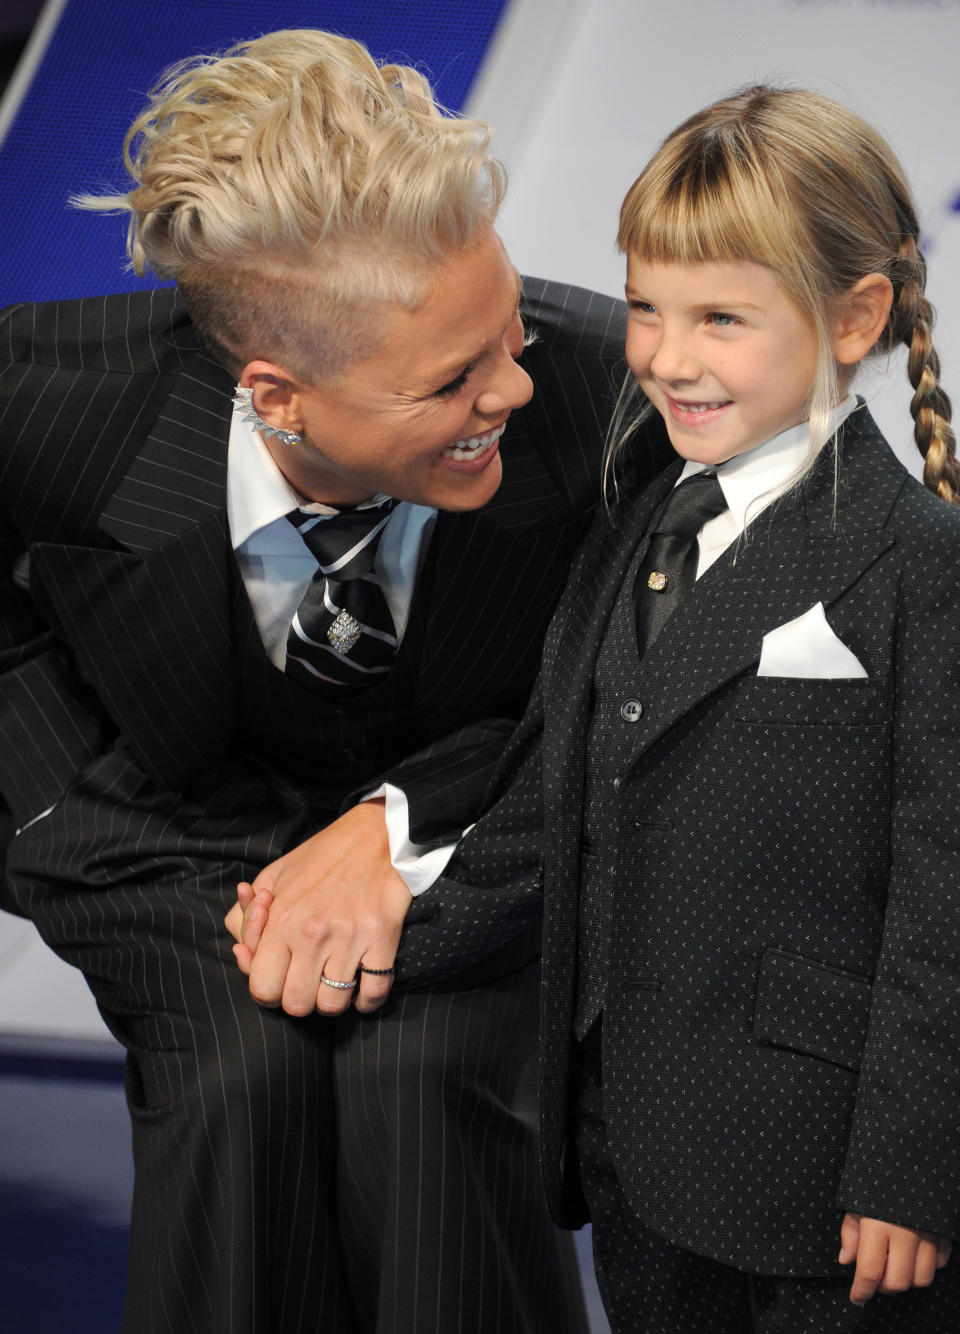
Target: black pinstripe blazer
x: 116, y: 561
x: 781, y: 1031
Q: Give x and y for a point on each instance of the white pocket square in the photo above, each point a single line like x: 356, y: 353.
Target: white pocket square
x: 807, y: 647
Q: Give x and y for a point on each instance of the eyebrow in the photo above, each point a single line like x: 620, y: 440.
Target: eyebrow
x: 457, y: 368
x: 703, y: 307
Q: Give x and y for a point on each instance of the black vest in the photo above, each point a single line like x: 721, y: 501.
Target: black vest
x: 609, y: 746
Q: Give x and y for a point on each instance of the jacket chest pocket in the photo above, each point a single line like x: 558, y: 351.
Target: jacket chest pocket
x: 802, y: 702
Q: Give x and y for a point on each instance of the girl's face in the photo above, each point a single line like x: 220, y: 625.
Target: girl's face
x: 721, y: 352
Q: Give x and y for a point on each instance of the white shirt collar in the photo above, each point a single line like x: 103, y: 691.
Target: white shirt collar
x: 257, y: 492
x: 752, y: 481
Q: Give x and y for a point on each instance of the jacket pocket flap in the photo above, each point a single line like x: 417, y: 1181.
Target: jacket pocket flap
x: 809, y: 702
x: 812, y: 1008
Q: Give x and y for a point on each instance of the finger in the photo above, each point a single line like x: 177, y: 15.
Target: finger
x: 244, y: 893
x: 901, y: 1260
x: 254, y: 920
x: 871, y: 1262
x: 244, y: 959
x: 374, y: 987
x: 268, y: 972
x: 944, y: 1247
x: 925, y: 1266
x: 234, y: 922
x: 336, y: 989
x: 849, y: 1237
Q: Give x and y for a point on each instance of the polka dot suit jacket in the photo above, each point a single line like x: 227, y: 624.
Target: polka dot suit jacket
x: 781, y: 1032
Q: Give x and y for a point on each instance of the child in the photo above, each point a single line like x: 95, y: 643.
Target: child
x: 749, y: 767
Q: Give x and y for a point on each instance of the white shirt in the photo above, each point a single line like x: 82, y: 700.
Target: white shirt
x: 276, y: 567
x: 752, y: 481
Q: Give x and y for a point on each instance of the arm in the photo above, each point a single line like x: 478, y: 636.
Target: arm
x: 903, y: 1159
x: 49, y: 725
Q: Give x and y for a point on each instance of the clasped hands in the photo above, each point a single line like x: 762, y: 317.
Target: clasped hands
x: 327, y: 909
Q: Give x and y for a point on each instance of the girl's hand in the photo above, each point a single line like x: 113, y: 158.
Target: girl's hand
x: 889, y: 1258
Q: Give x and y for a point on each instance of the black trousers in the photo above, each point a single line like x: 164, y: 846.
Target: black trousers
x: 366, y: 1175
x: 651, y: 1286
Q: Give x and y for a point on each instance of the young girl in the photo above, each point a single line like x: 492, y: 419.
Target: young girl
x: 751, y: 864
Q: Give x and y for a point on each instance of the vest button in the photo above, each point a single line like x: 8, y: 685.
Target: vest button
x: 630, y: 710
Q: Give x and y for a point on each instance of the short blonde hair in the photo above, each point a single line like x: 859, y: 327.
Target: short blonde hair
x: 792, y: 180
x: 292, y: 184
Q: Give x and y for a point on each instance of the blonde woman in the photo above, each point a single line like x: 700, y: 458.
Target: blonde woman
x: 279, y: 540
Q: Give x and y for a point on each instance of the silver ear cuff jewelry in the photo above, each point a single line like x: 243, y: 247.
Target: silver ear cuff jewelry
x: 244, y: 401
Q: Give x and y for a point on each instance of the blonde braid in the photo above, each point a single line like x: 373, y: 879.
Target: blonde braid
x: 930, y: 406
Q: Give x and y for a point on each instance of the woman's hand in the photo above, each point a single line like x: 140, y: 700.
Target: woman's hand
x: 329, y: 907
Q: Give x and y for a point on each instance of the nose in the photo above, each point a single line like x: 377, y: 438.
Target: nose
x: 673, y: 358
x: 509, y: 387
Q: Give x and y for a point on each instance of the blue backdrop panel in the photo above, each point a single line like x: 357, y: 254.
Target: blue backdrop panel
x: 93, y: 79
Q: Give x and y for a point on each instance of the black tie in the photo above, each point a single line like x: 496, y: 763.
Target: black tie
x: 670, y: 565
x: 343, y: 635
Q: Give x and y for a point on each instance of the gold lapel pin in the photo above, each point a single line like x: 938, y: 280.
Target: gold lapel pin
x: 657, y: 581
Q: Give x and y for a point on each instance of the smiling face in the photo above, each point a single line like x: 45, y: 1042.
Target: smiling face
x: 721, y: 352
x: 421, y: 417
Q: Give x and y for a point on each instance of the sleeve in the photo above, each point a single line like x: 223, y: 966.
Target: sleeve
x: 903, y: 1159
x: 50, y: 725
x: 491, y: 889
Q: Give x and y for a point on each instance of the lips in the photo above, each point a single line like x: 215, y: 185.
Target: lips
x: 696, y: 413
x: 465, y: 451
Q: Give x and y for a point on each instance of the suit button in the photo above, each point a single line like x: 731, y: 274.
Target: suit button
x: 630, y: 710
x: 616, y: 782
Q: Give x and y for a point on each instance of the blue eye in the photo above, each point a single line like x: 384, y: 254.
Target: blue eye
x: 722, y: 321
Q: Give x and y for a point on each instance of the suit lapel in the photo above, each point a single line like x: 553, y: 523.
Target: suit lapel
x: 811, y: 546
x: 150, y: 624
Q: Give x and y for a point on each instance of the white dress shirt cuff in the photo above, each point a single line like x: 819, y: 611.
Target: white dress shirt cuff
x: 417, y: 865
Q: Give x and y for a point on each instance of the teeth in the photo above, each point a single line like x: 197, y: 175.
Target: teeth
x: 700, y: 407
x: 471, y: 449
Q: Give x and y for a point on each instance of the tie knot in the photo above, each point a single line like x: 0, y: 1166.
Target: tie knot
x: 345, y: 544
x: 692, y: 504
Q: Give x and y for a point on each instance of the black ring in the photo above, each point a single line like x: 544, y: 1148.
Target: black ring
x: 377, y: 972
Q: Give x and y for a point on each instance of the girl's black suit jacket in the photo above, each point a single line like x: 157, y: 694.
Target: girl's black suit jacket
x: 781, y: 1033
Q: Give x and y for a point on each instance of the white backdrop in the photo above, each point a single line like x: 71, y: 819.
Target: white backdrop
x: 580, y: 93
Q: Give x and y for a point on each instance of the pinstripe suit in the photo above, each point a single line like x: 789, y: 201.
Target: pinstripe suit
x: 129, y: 703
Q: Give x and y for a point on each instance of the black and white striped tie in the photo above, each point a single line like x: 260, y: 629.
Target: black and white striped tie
x: 342, y: 636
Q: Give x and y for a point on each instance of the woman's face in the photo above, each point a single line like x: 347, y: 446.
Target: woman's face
x: 421, y: 417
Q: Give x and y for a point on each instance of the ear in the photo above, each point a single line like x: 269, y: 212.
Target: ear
x: 276, y: 394
x: 862, y: 318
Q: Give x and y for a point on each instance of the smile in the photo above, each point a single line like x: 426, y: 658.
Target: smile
x: 466, y: 450
x: 695, y: 413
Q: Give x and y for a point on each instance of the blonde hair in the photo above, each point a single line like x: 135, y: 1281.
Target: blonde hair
x: 290, y: 185
x: 792, y: 180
